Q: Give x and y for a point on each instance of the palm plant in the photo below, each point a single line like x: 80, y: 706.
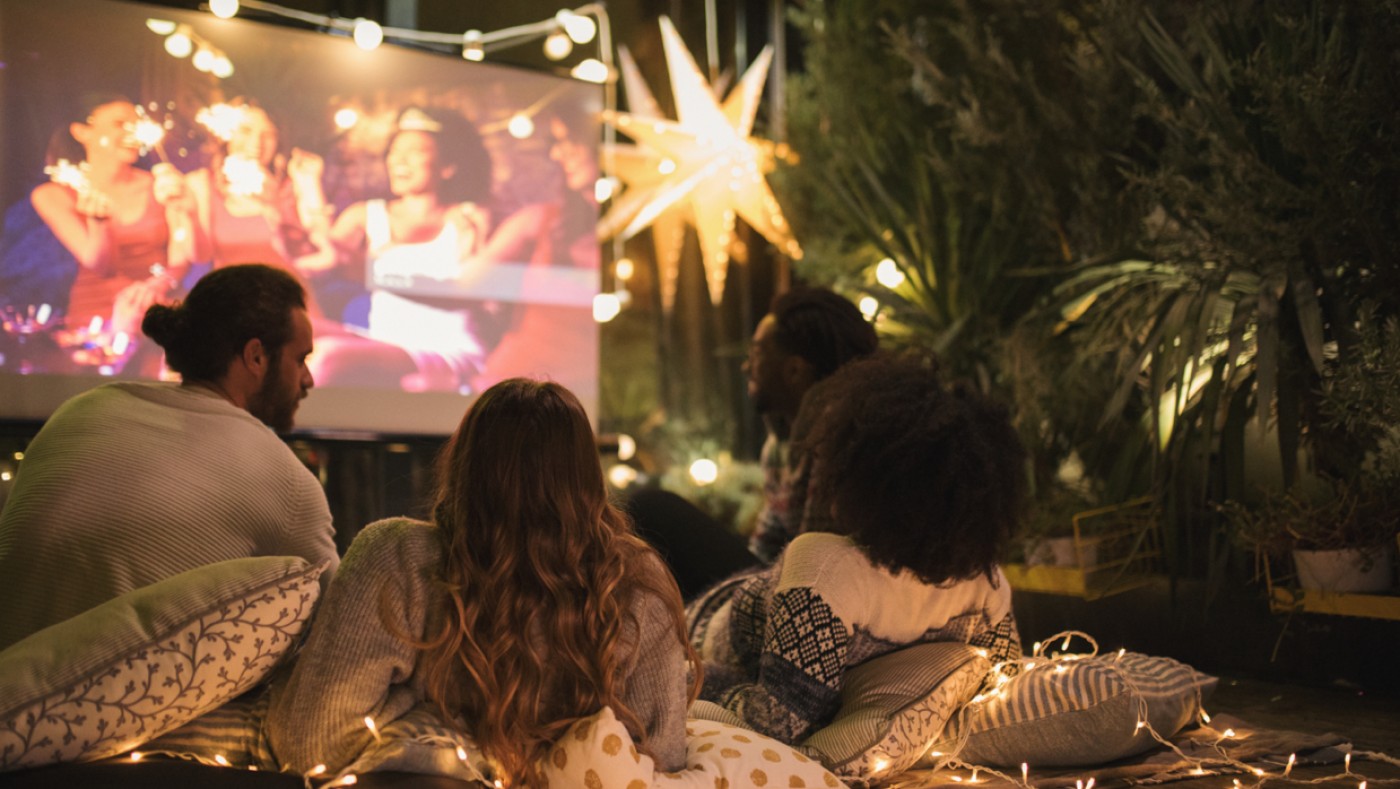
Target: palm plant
x: 1276, y: 184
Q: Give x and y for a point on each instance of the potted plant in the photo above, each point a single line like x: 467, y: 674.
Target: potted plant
x: 1340, y: 539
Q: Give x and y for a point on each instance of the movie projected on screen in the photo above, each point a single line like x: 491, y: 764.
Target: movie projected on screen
x: 440, y: 212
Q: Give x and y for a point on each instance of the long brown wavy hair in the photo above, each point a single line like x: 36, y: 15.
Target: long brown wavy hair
x: 540, y: 571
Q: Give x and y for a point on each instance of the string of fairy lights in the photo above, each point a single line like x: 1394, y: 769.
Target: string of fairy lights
x: 1001, y: 674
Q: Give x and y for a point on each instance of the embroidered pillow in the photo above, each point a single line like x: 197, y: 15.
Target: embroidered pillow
x: 1086, y: 714
x: 114, y: 677
x: 597, y: 753
x: 894, y: 706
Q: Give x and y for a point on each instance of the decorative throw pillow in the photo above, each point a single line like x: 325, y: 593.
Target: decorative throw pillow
x: 894, y: 706
x: 597, y: 753
x: 1079, y: 712
x: 114, y: 677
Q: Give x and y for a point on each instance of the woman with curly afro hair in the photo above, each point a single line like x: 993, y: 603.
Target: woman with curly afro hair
x: 925, y: 483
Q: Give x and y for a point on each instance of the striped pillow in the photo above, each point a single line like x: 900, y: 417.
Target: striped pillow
x: 893, y: 706
x: 1088, y: 713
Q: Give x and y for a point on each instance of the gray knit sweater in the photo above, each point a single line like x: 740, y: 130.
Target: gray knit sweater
x: 131, y: 483
x: 353, y: 667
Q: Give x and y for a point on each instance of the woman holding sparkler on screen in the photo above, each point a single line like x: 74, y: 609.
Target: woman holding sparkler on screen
x: 130, y: 230
x: 249, y: 209
x: 420, y: 250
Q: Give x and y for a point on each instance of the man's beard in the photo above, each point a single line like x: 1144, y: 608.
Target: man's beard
x: 272, y: 404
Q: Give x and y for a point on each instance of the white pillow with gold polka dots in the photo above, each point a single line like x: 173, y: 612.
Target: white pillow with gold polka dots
x: 597, y: 753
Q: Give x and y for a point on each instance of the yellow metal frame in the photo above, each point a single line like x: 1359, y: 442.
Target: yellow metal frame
x: 1132, y: 526
x: 1284, y: 597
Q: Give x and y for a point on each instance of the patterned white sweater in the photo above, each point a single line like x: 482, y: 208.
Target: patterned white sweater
x: 776, y: 643
x: 130, y: 483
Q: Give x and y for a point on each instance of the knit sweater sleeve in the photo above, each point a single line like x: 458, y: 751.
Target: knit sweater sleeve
x: 799, y: 669
x: 353, y: 666
x: 655, y: 690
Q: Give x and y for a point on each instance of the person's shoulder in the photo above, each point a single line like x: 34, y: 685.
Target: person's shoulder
x: 398, y: 543
x: 52, y: 195
x: 814, y: 558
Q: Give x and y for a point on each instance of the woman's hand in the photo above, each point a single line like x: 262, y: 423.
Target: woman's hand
x: 132, y: 301
x: 93, y: 204
x: 169, y: 187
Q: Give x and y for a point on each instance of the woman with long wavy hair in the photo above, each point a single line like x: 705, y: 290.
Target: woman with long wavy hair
x: 525, y: 605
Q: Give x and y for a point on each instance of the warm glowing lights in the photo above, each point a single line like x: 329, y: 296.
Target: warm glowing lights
x: 626, y: 447
x: 471, y: 46
x: 222, y: 68
x: 1025, y: 773
x: 604, y: 188
x: 880, y: 764
x: 580, y: 29
x: 136, y: 756
x: 606, y: 306
x: 704, y: 471
x: 666, y: 166
x: 1346, y: 761
x: 6, y: 476
x: 368, y: 34
x: 220, y: 760
x: 1292, y: 760
x: 179, y: 44
x: 520, y: 126
x: 887, y: 273
x: 223, y: 9
x: 317, y: 770
x: 369, y: 724
x: 624, y: 268
x: 161, y: 27
x: 869, y: 307
x: 346, y: 118
x: 461, y: 753
x: 591, y: 70
x: 557, y: 45
x: 1229, y: 734
x: 622, y: 476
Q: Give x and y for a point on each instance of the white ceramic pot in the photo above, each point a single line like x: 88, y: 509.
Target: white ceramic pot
x: 1346, y: 570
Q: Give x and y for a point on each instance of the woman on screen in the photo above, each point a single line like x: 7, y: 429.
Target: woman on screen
x: 130, y: 230
x: 526, y: 604
x: 430, y: 237
x: 249, y: 209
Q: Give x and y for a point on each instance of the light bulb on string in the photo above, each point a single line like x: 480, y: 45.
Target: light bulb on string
x: 222, y: 68
x: 887, y: 273
x: 203, y: 60
x: 624, y: 268
x: 591, y: 70
x: 471, y: 46
x: 179, y: 44
x: 869, y: 307
x: 368, y: 34
x: 557, y: 45
x: 161, y: 27
x: 606, y: 306
x: 520, y: 126
x: 604, y: 188
x: 223, y: 9
x: 580, y: 29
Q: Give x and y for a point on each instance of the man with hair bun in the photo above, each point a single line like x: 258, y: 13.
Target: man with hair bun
x: 133, y: 482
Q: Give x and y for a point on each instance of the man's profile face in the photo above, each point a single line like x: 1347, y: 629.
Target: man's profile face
x: 768, y: 385
x: 287, y: 381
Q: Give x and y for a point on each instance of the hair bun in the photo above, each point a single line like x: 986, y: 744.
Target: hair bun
x: 165, y: 324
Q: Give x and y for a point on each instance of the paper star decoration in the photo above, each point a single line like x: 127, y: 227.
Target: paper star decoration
x: 703, y: 168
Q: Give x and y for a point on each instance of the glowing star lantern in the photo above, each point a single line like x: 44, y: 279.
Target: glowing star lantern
x: 716, y: 172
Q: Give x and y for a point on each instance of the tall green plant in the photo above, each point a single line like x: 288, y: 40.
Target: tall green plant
x: 1276, y: 184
